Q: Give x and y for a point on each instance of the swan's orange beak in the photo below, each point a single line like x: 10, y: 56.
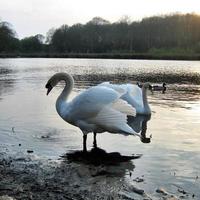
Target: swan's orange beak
x: 49, y: 88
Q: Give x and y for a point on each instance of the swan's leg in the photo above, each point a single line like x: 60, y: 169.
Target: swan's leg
x: 84, y: 142
x: 95, y: 140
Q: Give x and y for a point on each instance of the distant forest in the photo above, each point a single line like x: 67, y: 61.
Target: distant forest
x: 167, y: 34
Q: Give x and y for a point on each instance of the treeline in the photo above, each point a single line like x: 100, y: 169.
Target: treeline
x: 169, y: 34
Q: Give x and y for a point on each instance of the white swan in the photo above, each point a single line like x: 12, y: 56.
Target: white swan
x: 134, y: 95
x: 97, y: 109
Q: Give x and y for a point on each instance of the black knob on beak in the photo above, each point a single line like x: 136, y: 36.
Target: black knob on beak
x: 49, y: 88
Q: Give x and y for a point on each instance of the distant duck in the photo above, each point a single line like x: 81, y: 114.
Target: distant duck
x: 97, y: 109
x: 162, y: 88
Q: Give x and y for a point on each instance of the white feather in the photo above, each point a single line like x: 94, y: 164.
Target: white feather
x: 133, y: 95
x: 113, y: 121
x: 124, y: 107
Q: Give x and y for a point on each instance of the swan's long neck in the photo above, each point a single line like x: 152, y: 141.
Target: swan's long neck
x: 69, y: 83
x: 147, y: 109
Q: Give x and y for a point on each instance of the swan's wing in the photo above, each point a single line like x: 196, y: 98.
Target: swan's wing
x: 113, y: 120
x: 118, y: 88
x: 129, y: 92
x: 92, y: 100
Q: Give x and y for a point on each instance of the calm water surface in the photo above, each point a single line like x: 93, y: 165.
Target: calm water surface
x: 172, y: 158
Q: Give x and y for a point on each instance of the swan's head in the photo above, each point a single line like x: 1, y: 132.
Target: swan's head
x: 50, y: 84
x: 49, y: 87
x: 53, y: 81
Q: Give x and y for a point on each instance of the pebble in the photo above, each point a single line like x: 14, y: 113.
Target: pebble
x: 182, y: 191
x: 161, y: 191
x: 30, y: 151
x: 6, y: 197
x: 137, y: 190
x: 138, y: 180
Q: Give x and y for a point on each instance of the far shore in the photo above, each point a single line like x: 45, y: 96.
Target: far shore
x: 104, y: 56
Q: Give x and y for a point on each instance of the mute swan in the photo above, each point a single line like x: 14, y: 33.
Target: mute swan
x: 140, y: 85
x: 97, y: 109
x: 134, y: 95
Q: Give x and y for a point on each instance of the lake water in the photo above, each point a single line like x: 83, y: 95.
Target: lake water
x: 171, y: 160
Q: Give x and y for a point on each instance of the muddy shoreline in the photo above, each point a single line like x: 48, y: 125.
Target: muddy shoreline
x: 26, y: 176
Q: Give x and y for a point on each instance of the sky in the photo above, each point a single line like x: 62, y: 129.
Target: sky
x: 31, y: 17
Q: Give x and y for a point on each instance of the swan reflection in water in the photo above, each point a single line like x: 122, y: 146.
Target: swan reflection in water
x: 97, y: 156
x: 139, y: 125
x: 98, y: 162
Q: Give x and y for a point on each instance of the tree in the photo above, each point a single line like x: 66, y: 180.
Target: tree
x: 8, y: 41
x: 32, y: 44
x: 49, y: 35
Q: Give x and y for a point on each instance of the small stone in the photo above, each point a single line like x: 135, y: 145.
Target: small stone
x: 45, y: 136
x: 13, y: 129
x: 161, y: 191
x: 30, y: 151
x: 138, y: 180
x: 137, y: 190
x: 6, y: 197
x: 182, y: 191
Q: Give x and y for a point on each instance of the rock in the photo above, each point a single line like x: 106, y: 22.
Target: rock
x: 6, y: 197
x: 138, y: 180
x: 170, y: 198
x: 182, y: 191
x: 45, y: 136
x: 161, y: 191
x: 30, y: 151
x: 137, y: 190
x: 124, y: 195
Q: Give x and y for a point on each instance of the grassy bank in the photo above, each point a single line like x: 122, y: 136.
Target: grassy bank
x: 104, y: 55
